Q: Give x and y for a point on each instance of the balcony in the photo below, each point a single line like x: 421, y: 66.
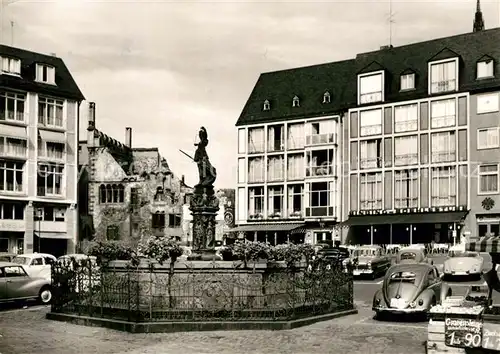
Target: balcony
x: 319, y: 171
x: 296, y: 214
x: 372, y: 162
x: 406, y: 126
x: 375, y: 129
x: 406, y: 159
x: 256, y: 148
x: 445, y: 201
x: 277, y: 214
x: 370, y: 97
x: 14, y: 151
x: 295, y: 175
x: 320, y: 139
x: 443, y: 86
x: 443, y: 121
x: 405, y: 203
x: 275, y: 146
x: 443, y: 156
x: 321, y: 211
x: 256, y: 216
x: 295, y: 143
x: 372, y: 204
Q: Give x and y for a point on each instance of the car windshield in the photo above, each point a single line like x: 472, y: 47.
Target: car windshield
x: 5, y: 258
x: 21, y: 260
x: 407, y: 277
x: 365, y: 252
x: 462, y: 254
x: 408, y: 255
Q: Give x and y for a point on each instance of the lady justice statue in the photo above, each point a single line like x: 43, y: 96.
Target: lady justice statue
x: 207, y: 172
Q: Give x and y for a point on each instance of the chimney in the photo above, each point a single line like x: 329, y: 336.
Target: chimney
x: 182, y: 179
x: 91, y: 116
x: 53, y: 54
x: 128, y: 137
x: 386, y: 47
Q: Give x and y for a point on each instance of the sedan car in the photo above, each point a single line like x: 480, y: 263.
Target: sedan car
x: 370, y: 260
x: 36, y: 264
x: 462, y: 263
x: 410, y: 255
x: 338, y: 254
x: 7, y: 256
x: 16, y: 284
x: 410, y: 288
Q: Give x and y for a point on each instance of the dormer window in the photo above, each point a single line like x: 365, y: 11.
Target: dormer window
x: 295, y: 102
x: 11, y: 66
x: 267, y: 105
x: 371, y: 87
x: 407, y: 82
x: 443, y: 76
x: 45, y: 74
x: 326, y: 97
x: 484, y: 69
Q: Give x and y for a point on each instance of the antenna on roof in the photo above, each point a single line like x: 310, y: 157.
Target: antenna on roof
x: 12, y: 33
x: 391, y: 21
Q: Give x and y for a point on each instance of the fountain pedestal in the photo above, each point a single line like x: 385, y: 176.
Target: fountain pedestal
x: 204, y: 207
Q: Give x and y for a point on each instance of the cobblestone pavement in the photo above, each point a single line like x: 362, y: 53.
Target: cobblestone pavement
x: 27, y: 331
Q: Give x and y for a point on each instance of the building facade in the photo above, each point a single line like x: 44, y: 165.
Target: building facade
x: 413, y: 145
x: 39, y: 112
x: 127, y: 193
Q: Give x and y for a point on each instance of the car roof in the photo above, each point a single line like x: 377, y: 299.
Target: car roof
x: 369, y: 247
x: 8, y: 264
x: 31, y: 255
x: 415, y: 267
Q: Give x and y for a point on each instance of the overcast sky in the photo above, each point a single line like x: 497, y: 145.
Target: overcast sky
x: 165, y: 68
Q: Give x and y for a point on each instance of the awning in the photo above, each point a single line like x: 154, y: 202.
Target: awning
x: 53, y: 137
x: 418, y: 218
x: 54, y: 235
x: 485, y: 244
x: 271, y: 227
x: 13, y: 131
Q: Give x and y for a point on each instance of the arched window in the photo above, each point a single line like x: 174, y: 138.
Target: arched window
x: 114, y: 188
x: 102, y: 193
x: 109, y: 194
x: 296, y: 102
x: 326, y: 97
x: 267, y: 105
x: 121, y: 193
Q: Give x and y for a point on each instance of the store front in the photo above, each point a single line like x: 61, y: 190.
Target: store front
x: 272, y: 233
x: 11, y: 242
x: 407, y: 228
x: 54, y: 243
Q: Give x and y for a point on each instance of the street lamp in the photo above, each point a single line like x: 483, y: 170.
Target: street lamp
x: 39, y: 214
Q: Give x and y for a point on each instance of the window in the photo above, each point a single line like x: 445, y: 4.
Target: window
x: 45, y: 74
x: 320, y: 132
x: 113, y: 233
x: 488, y: 138
x: 443, y: 147
x: 241, y: 170
x: 256, y: 169
x: 406, y: 150
x: 488, y: 179
x: 14, y: 271
x: 319, y: 194
x: 443, y: 113
x: 326, y: 97
x: 13, y: 147
x: 295, y: 169
x: 11, y: 211
x: 11, y: 176
x: 158, y: 220
x: 50, y: 111
x: 4, y: 247
x: 11, y: 66
x: 320, y: 162
x: 406, y: 118
x: 12, y: 106
x: 485, y: 69
x: 295, y: 200
x: 255, y: 202
x: 50, y: 213
x: 111, y: 193
x: 295, y: 136
x: 371, y: 191
x: 371, y: 88
x: 371, y: 122
x: 267, y: 106
x: 50, y: 179
x: 275, y: 168
x: 241, y: 141
x: 295, y: 102
x: 276, y: 138
x: 174, y: 220
x: 255, y: 140
x: 50, y: 150
x: 407, y: 82
x: 443, y: 187
x: 487, y: 103
x: 275, y: 202
x: 37, y: 261
x: 370, y: 153
x: 406, y: 189
x: 443, y: 77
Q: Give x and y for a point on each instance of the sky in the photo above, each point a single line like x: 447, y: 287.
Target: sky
x: 165, y: 68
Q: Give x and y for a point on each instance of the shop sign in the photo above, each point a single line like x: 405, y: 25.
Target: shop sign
x: 12, y: 225
x: 407, y: 211
x: 463, y: 332
x: 491, y: 336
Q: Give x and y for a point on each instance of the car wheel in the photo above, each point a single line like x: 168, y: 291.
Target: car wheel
x: 45, y: 295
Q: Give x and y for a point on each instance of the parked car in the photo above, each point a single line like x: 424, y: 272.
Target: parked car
x: 334, y: 253
x: 87, y: 274
x: 36, y: 264
x: 370, y: 260
x: 7, y: 256
x: 410, y: 288
x: 16, y: 284
x: 462, y: 263
x: 408, y: 255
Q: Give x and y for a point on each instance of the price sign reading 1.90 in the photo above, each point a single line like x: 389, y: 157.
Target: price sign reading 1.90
x: 463, y: 333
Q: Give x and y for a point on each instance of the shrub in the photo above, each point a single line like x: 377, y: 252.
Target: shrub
x: 111, y: 251
x: 161, y: 249
x: 250, y: 251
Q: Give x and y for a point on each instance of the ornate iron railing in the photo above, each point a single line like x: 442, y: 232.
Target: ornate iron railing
x: 185, y: 292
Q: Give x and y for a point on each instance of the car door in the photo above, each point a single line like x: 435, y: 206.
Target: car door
x: 48, y: 261
x: 3, y: 286
x: 16, y: 283
x: 434, y: 282
x: 36, y: 266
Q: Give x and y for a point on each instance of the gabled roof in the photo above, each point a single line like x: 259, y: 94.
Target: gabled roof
x: 486, y: 57
x: 445, y: 53
x: 308, y: 83
x: 373, y: 66
x: 65, y: 84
